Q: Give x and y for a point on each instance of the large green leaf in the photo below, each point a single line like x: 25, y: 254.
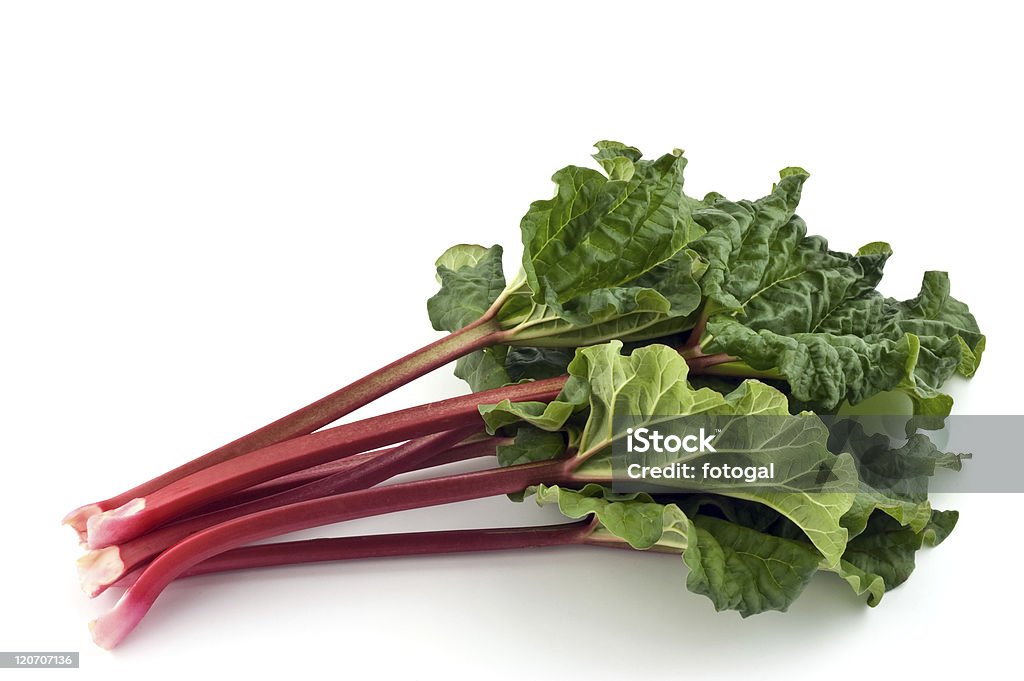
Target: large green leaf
x: 603, y: 231
x: 738, y: 241
x: 779, y: 300
x: 649, y: 386
x: 813, y: 315
x: 661, y: 301
x: 604, y: 259
x: 738, y: 568
x: 735, y: 554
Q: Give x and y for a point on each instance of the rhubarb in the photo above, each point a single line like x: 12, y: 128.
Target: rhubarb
x: 102, y: 567
x: 622, y: 256
x: 146, y: 513
x: 568, y: 292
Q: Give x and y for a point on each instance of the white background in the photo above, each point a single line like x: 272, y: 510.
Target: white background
x: 212, y: 213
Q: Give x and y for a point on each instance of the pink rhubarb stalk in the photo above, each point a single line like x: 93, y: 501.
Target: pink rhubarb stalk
x: 111, y: 628
x: 100, y: 568
x: 386, y: 546
x: 470, y: 449
x: 143, y: 514
x: 482, y: 333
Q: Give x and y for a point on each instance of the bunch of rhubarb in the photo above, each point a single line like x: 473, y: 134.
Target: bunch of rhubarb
x: 632, y: 299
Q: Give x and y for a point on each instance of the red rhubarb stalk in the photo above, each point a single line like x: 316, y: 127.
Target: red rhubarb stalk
x: 143, y: 514
x: 482, y: 333
x: 470, y: 449
x: 207, y: 486
x: 109, y: 629
x: 99, y: 569
x: 386, y: 546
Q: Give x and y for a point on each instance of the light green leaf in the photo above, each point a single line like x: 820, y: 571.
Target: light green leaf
x: 649, y: 386
x: 862, y: 582
x: 635, y: 518
x: 549, y: 416
x: 617, y: 159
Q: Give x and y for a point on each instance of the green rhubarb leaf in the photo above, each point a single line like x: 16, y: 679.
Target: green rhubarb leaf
x: 649, y: 386
x: 935, y: 317
x: 603, y: 231
x: 738, y: 241
x: 550, y: 416
x: 484, y: 369
x: 884, y: 555
x: 822, y: 326
x: 970, y: 357
x: 604, y: 259
x: 939, y: 527
x: 738, y: 568
x: 862, y: 582
x: 662, y: 301
x: 636, y: 519
x: 471, y: 279
x: 893, y: 480
x: 782, y: 302
x: 817, y: 511
x: 886, y: 549
x: 868, y: 500
x: 531, y: 444
x: 742, y: 569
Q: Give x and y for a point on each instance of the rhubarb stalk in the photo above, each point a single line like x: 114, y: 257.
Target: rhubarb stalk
x: 484, y: 332
x: 143, y: 514
x: 388, y: 545
x: 101, y: 568
x: 109, y: 629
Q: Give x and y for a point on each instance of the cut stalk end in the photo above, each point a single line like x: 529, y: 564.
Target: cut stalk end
x: 112, y: 627
x: 99, y: 569
x: 79, y: 518
x: 114, y: 526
